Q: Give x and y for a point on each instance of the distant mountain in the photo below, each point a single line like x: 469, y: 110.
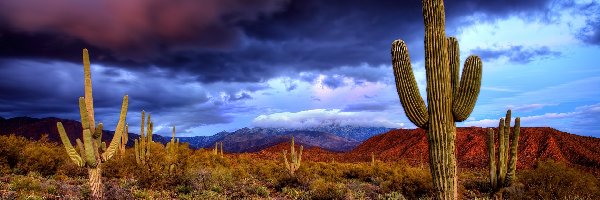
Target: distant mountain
x: 253, y: 139
x: 333, y: 138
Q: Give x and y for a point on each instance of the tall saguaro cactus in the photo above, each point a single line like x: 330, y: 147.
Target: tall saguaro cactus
x: 295, y: 158
x: 93, y: 152
x: 142, y: 145
x: 449, y: 99
x: 503, y: 173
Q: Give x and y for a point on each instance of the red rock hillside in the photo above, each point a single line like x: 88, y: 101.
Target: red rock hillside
x: 410, y: 145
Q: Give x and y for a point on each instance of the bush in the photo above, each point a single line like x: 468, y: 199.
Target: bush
x: 41, y: 156
x: 11, y: 148
x: 550, y: 180
x: 321, y: 189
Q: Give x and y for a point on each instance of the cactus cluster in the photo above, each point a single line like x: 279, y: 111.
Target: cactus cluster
x: 218, y: 145
x: 449, y: 99
x: 92, y: 151
x: 295, y: 158
x: 502, y: 173
x: 142, y: 145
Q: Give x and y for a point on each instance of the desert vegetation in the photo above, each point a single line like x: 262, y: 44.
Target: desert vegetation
x: 40, y: 169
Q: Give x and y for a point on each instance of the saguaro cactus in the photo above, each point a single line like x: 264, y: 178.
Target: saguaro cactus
x: 93, y: 152
x: 372, y: 159
x: 172, y: 151
x: 218, y: 145
x: 449, y: 98
x: 142, y: 145
x: 503, y: 173
x: 295, y: 158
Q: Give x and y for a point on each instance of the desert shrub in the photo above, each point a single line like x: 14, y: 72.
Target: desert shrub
x: 412, y: 182
x: 11, y: 148
x: 391, y: 196
x: 120, y: 166
x: 41, y: 156
x: 321, y: 189
x: 550, y: 180
x: 70, y: 169
x: 294, y: 193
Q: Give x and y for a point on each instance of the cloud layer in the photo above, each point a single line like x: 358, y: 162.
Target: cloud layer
x: 323, y: 117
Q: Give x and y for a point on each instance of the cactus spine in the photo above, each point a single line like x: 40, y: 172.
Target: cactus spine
x: 295, y: 158
x: 502, y: 174
x: 449, y: 99
x: 142, y: 145
x: 92, y: 151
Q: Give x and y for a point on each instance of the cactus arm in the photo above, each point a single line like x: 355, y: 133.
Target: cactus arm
x: 221, y: 149
x: 287, y: 164
x: 68, y: 146
x: 512, y: 165
x: 142, y: 125
x: 85, y: 123
x: 492, y: 159
x: 292, y: 151
x: 173, y: 134
x: 501, y: 154
x: 406, y: 86
x: 299, y: 156
x: 89, y: 99
x: 98, y: 133
x: 103, y: 146
x: 80, y: 146
x: 468, y: 90
x: 454, y: 62
x: 136, y: 151
x: 115, y: 142
x: 90, y: 157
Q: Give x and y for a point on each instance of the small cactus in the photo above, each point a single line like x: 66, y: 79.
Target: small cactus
x: 372, y: 159
x: 503, y: 173
x: 295, y: 158
x: 92, y: 151
x: 142, y: 145
x: 172, y: 151
x: 218, y: 146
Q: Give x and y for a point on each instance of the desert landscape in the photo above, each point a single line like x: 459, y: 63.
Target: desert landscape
x: 245, y: 100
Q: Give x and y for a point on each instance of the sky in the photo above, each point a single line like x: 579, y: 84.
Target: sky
x: 207, y: 66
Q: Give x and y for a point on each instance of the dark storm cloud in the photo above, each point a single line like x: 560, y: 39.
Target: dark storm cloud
x: 516, y: 54
x: 229, y: 40
x: 176, y: 58
x: 51, y: 89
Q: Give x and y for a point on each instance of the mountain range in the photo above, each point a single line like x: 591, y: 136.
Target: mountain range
x: 332, y: 138
x: 408, y: 145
